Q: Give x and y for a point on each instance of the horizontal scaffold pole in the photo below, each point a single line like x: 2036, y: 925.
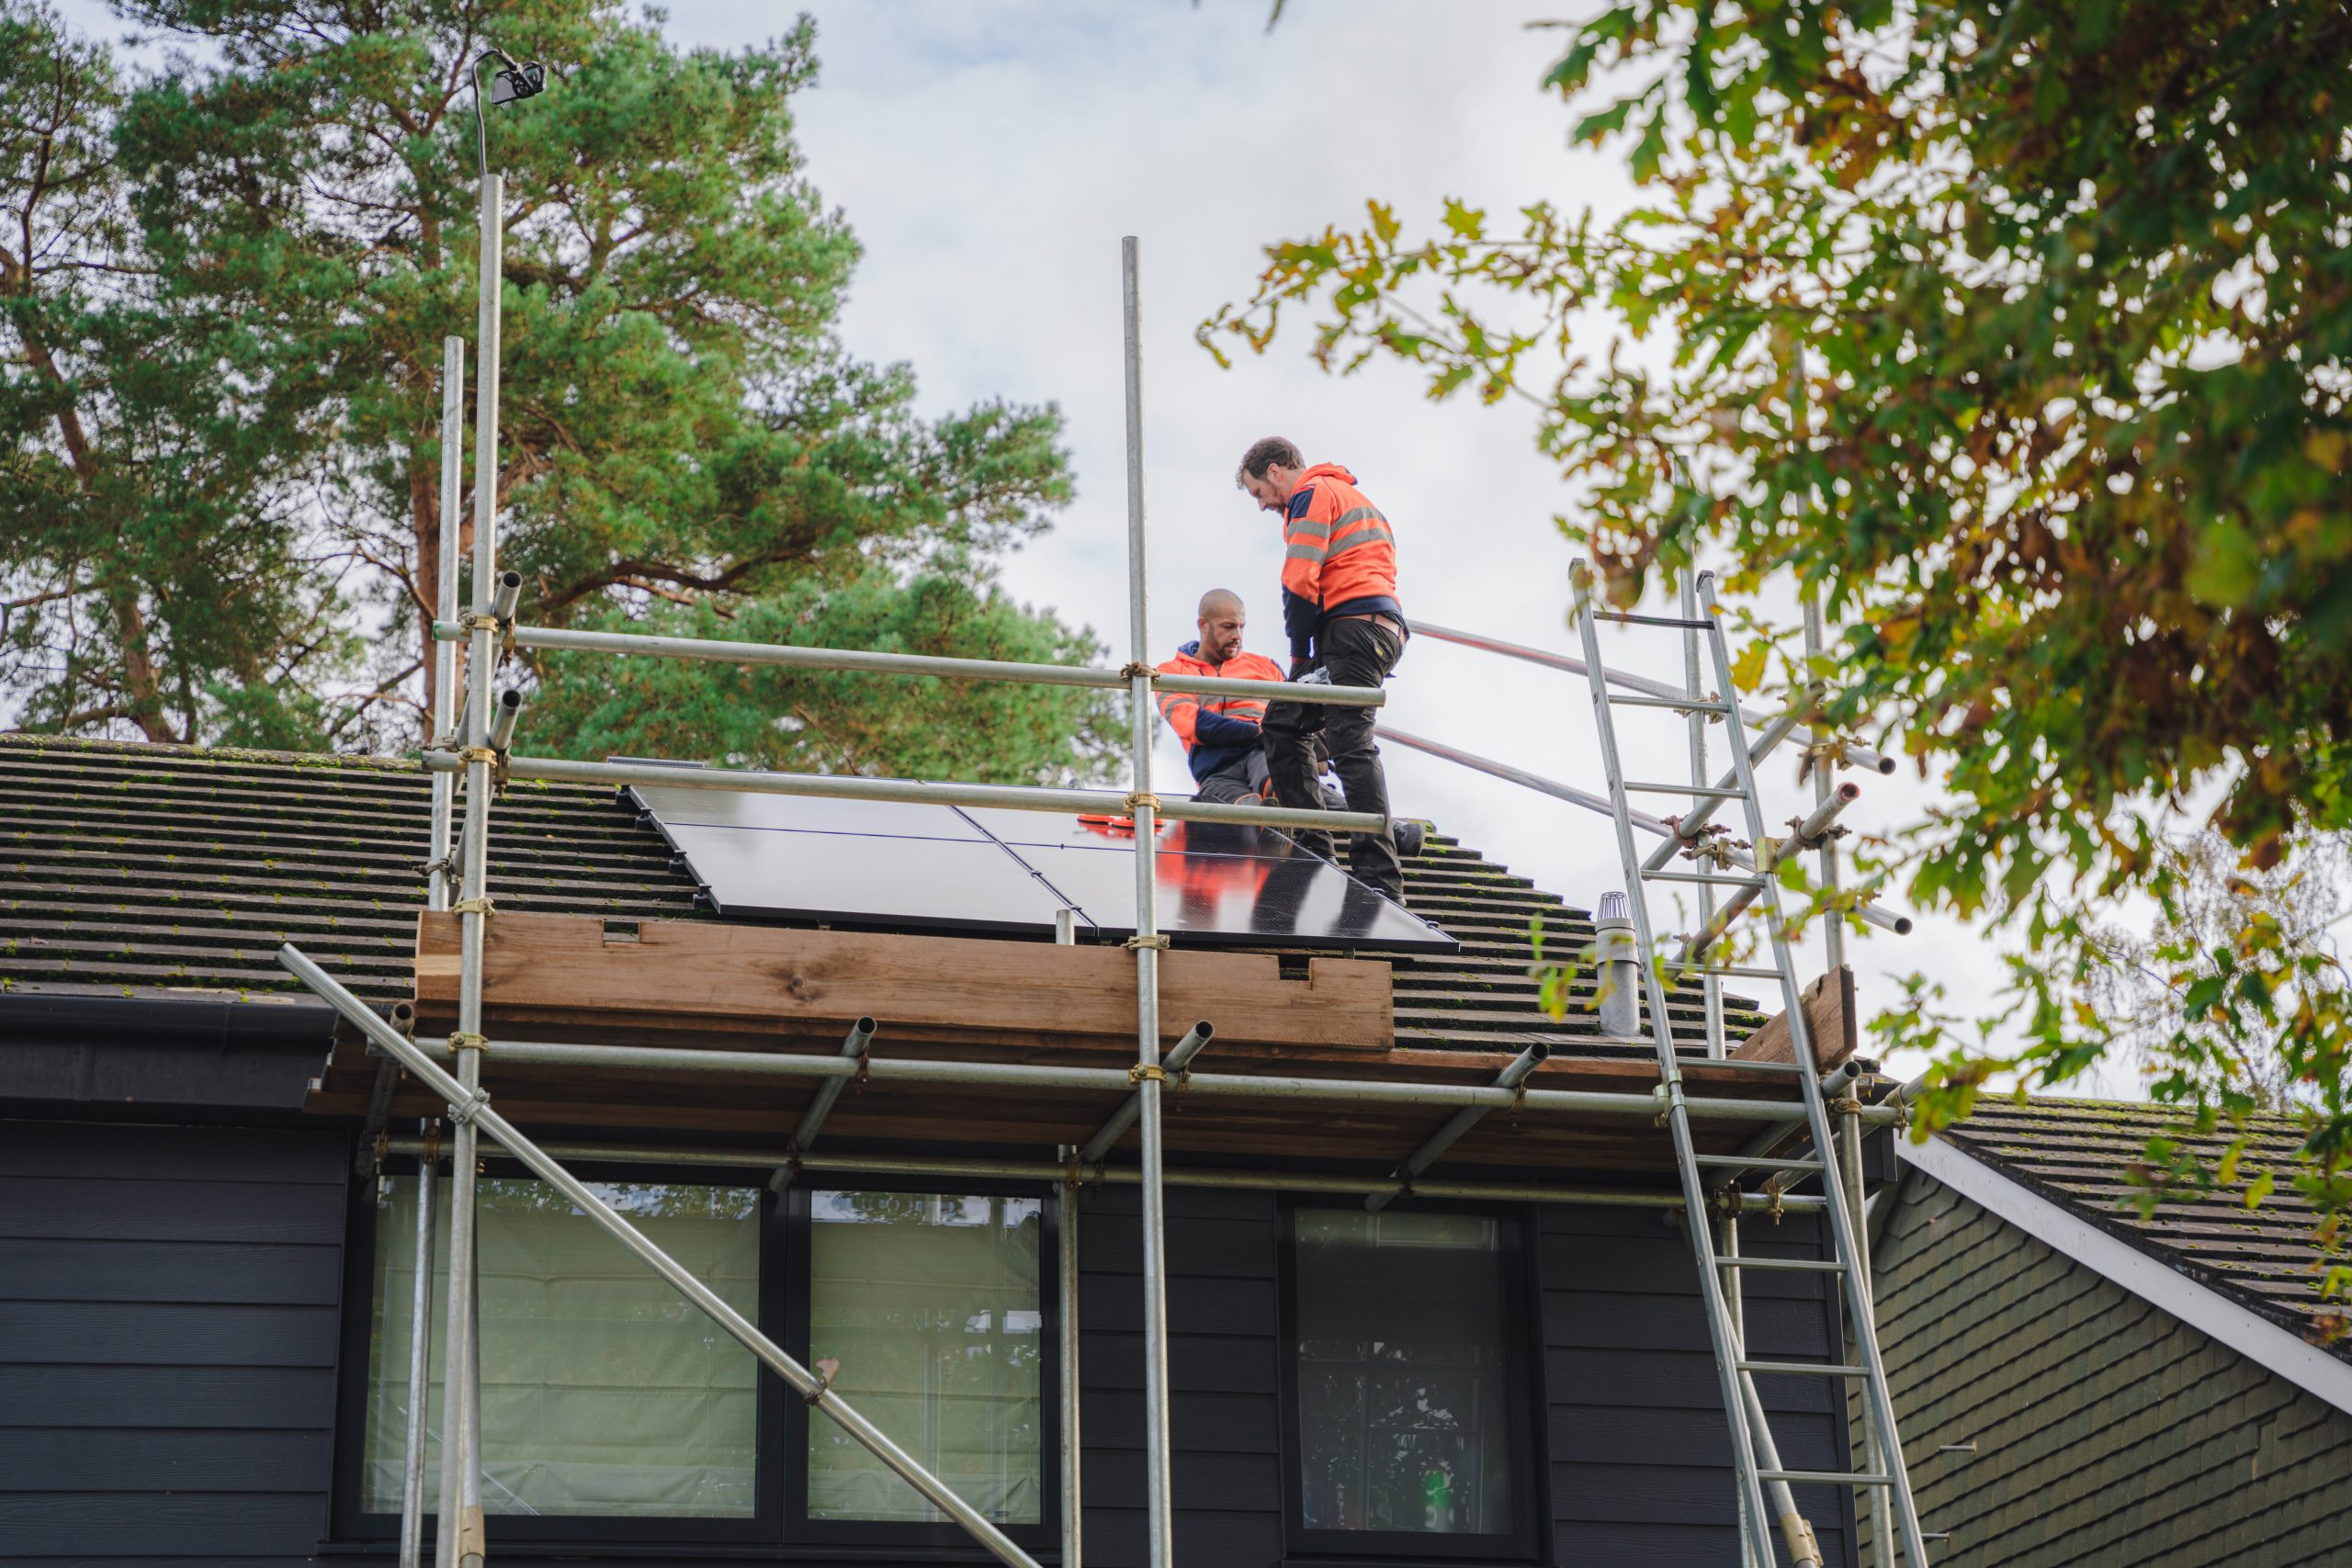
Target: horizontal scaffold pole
x: 1122, y: 1175
x: 472, y: 1107
x: 1856, y: 755
x: 1116, y: 1080
x: 917, y: 791
x: 720, y: 651
x: 1899, y: 924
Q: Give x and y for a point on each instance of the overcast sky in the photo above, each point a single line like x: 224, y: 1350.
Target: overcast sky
x: 989, y: 155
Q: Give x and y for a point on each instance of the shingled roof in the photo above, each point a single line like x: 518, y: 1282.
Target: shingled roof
x: 2082, y: 1156
x: 139, y: 869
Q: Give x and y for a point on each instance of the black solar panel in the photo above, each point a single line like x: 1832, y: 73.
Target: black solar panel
x: 918, y: 865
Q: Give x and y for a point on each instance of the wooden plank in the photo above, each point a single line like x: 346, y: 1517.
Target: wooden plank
x: 696, y: 970
x: 1829, y: 1016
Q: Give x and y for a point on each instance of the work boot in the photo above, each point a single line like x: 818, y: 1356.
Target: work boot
x: 1317, y: 845
x: 1410, y: 836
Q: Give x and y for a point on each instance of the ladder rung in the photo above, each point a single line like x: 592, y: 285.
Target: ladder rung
x: 1703, y: 878
x: 1795, y: 1264
x: 1678, y: 623
x: 1705, y: 792
x: 1803, y: 1369
x: 1757, y: 1162
x: 1680, y: 705
x: 1825, y: 1477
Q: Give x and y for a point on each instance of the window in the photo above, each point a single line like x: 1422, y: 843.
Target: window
x: 605, y: 1394
x: 931, y: 1304
x: 1409, y: 1416
x: 614, y: 1411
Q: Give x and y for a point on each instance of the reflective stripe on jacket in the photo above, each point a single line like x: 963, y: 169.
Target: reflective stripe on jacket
x: 1212, y: 728
x: 1338, y: 551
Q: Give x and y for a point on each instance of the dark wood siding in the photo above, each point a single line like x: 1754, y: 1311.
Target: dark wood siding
x: 168, y: 1306
x: 2106, y: 1431
x: 1641, y: 1453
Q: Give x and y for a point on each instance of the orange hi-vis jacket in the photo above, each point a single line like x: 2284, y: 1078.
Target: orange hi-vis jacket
x: 1339, y: 556
x: 1216, y: 730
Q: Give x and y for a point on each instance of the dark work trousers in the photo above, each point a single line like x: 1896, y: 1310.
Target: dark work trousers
x: 1357, y: 653
x: 1244, y: 781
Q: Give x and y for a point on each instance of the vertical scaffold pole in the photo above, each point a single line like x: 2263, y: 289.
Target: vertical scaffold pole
x: 1073, y: 1512
x: 420, y: 1374
x: 436, y: 897
x: 460, y: 1537
x: 1148, y: 943
x: 1833, y: 922
x: 1711, y: 988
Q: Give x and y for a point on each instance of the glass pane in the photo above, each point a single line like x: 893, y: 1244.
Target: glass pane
x: 930, y: 1304
x: 604, y: 1390
x: 1403, y: 1418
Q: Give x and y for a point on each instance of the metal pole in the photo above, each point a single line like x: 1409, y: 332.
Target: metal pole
x: 719, y: 650
x: 1674, y: 837
x: 1873, y: 1461
x: 420, y: 1381
x: 1833, y: 924
x: 461, y: 1522
x: 1097, y: 1147
x: 1073, y: 1513
x: 1419, y: 1095
x: 861, y: 1035
x: 1858, y: 756
x: 444, y: 652
x: 1445, y: 1137
x: 1162, y: 1546
x: 1174, y: 1176
x: 471, y: 1107
x: 1694, y: 684
x: 845, y: 786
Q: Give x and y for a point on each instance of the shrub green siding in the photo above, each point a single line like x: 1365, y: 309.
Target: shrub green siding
x: 2106, y: 1431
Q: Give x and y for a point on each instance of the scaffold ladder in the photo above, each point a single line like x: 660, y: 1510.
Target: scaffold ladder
x: 1766, y: 1484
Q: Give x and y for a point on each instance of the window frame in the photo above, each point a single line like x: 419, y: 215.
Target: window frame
x: 353, y: 1522
x: 799, y: 1529
x: 1528, y: 1538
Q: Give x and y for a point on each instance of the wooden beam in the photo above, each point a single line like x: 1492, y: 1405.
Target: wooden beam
x: 706, y: 975
x: 1829, y: 1018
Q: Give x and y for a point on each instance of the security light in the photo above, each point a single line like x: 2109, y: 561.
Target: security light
x: 517, y: 82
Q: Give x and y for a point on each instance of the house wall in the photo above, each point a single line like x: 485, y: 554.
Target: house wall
x: 168, y: 1306
x: 2106, y: 1431
x: 169, y: 1326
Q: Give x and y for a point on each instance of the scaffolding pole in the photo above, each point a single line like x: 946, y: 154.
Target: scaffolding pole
x: 460, y: 1542
x: 1207, y: 1178
x: 469, y: 1108
x: 420, y: 1378
x: 1419, y: 1095
x: 1065, y: 1260
x: 1147, y: 942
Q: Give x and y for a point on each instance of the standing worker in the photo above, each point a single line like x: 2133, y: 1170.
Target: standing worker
x: 1339, y: 606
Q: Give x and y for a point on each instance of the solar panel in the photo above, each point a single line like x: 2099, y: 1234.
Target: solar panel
x: 920, y: 866
x: 866, y: 878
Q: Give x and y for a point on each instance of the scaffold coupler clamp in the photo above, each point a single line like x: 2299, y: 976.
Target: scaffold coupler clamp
x: 1826, y: 753
x: 465, y: 1110
x: 1156, y: 942
x: 485, y: 907
x: 499, y: 627
x: 825, y: 1370
x: 1137, y: 670
x: 1829, y: 832
x: 1146, y: 1072
x: 1668, y: 1092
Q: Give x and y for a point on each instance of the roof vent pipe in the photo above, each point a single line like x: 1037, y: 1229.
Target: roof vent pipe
x: 1616, y: 959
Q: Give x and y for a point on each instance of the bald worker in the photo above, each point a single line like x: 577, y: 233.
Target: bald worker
x: 1220, y: 734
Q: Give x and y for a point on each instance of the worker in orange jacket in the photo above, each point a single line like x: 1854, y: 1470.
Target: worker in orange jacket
x: 1341, y: 608
x: 1223, y: 737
